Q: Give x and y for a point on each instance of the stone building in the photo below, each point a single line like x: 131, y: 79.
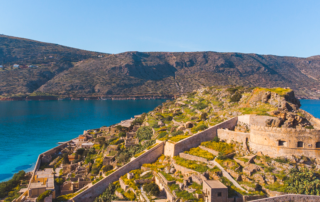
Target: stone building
x: 274, y: 141
x: 42, y: 181
x: 215, y: 191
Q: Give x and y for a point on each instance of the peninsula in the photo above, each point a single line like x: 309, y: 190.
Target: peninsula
x: 213, y: 144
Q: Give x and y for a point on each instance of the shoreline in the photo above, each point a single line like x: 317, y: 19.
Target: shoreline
x: 117, y: 97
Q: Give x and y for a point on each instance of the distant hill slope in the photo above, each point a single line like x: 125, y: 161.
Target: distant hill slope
x: 77, y: 72
x: 50, y: 58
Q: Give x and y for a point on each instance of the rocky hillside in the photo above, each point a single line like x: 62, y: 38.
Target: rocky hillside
x: 75, y: 72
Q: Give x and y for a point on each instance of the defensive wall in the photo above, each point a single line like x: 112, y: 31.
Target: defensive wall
x: 290, y: 197
x: 173, y: 149
x: 277, y: 142
x: 253, y: 119
x: 95, y: 190
x: 229, y: 136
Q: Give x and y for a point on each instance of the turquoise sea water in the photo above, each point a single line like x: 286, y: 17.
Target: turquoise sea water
x: 28, y: 128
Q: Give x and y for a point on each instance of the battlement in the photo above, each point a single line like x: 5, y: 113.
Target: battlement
x: 292, y: 131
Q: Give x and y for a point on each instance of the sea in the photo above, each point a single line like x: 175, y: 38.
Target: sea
x: 28, y: 128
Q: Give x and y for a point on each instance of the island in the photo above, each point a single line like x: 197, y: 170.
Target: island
x: 213, y: 144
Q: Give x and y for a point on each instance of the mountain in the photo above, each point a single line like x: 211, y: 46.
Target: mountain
x: 84, y: 73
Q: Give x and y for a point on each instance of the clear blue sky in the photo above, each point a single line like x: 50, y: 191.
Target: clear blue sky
x: 278, y: 27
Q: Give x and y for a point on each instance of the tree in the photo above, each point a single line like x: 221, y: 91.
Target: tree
x: 80, y: 151
x: 303, y: 181
x: 65, y: 159
x: 152, y: 189
x: 107, y: 168
x: 204, y: 116
x: 144, y: 133
x: 122, y: 134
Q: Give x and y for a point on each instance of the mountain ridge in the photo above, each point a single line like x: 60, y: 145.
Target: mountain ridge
x: 73, y: 72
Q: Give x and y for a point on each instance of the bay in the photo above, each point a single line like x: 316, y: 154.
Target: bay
x: 28, y: 128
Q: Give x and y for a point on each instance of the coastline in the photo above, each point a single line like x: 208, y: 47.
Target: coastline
x: 113, y: 97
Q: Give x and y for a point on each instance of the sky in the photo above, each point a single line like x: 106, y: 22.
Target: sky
x: 286, y: 27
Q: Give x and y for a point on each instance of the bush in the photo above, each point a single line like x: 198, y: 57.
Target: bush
x: 107, y: 168
x: 43, y: 195
x: 200, y: 106
x: 144, y: 133
x: 59, y: 181
x: 122, y: 134
x: 179, y: 132
x: 65, y: 159
x: 129, y: 195
x: 204, y: 116
x: 9, y: 185
x: 80, y: 151
x: 162, y: 134
x: 152, y: 189
x: 236, y: 97
x: 216, y: 139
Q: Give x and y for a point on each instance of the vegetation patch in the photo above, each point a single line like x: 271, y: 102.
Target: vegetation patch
x: 178, y: 138
x: 194, y: 165
x: 221, y: 147
x: 201, y: 153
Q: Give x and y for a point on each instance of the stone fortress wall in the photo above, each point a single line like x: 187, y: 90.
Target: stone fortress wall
x: 275, y: 142
x: 290, y: 197
x: 278, y: 142
x: 173, y: 149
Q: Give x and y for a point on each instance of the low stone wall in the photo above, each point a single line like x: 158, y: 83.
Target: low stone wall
x: 192, y: 157
x: 183, y: 170
x: 173, y: 149
x: 291, y: 197
x: 94, y: 191
x: 229, y: 136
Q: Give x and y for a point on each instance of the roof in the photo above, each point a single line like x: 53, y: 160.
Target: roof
x: 88, y: 144
x: 126, y: 123
x: 82, y: 137
x: 215, y: 184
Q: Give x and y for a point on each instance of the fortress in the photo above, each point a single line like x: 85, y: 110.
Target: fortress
x: 274, y: 141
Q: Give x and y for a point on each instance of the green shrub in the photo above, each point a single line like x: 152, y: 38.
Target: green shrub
x: 200, y: 127
x: 179, y: 132
x: 200, y: 106
x: 43, y: 195
x: 236, y: 97
x: 162, y: 134
x: 144, y: 133
x: 107, y: 168
x: 59, y: 181
x: 152, y: 189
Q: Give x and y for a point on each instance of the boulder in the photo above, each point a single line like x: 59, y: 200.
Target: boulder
x: 250, y: 169
x: 258, y: 178
x: 181, y: 128
x: 270, y: 179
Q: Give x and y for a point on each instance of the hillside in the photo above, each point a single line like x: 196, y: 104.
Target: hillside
x: 71, y: 71
x: 48, y: 60
x: 208, y: 135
